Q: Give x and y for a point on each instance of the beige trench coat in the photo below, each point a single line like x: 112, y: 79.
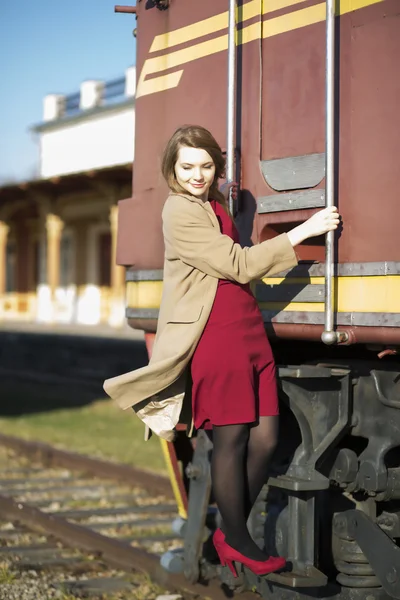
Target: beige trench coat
x: 196, y: 256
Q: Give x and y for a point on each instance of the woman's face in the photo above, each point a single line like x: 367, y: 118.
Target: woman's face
x: 195, y: 171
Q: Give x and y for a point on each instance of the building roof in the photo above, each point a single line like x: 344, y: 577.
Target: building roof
x: 69, y: 183
x: 83, y: 115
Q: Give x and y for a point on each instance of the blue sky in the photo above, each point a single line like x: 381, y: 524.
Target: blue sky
x: 46, y: 47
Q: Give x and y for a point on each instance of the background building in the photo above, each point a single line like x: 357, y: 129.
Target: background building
x: 58, y: 232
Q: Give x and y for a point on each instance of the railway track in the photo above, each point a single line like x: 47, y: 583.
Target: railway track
x: 72, y: 527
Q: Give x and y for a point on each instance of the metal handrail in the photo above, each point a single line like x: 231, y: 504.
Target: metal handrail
x: 329, y: 336
x: 72, y: 102
x: 231, y: 114
x: 114, y: 88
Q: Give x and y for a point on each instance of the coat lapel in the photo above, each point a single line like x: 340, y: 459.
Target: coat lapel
x: 205, y: 205
x: 208, y: 208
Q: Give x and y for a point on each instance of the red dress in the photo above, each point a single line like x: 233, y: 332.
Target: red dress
x: 233, y: 369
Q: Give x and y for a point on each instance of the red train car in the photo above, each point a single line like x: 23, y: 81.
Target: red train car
x: 308, y: 112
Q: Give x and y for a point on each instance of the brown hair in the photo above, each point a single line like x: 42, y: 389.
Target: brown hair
x: 193, y: 136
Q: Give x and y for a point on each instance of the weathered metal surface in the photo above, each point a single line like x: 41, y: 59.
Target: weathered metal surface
x: 362, y: 335
x: 317, y: 318
x: 383, y: 554
x: 144, y: 275
x: 293, y: 123
x: 303, y: 269
x: 294, y: 172
x: 291, y: 201
x: 108, y: 470
x: 376, y: 324
x: 141, y: 313
x: 343, y: 269
x: 199, y: 472
x: 297, y: 292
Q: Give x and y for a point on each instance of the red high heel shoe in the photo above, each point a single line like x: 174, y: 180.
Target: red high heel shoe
x: 227, y: 555
x: 218, y: 537
x: 218, y: 541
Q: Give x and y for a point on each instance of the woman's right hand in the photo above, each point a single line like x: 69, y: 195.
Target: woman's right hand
x: 321, y: 222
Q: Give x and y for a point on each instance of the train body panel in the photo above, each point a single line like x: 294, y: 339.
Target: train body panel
x: 333, y: 503
x: 280, y: 141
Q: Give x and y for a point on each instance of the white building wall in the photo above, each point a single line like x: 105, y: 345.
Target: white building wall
x: 102, y: 140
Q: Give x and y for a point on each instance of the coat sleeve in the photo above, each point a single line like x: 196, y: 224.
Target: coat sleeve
x: 188, y: 229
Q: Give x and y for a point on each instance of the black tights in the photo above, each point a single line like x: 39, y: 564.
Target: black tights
x: 239, y: 465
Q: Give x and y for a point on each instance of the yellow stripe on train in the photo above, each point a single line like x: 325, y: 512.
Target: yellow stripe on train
x: 378, y: 294
x: 216, y: 23
x: 262, y: 29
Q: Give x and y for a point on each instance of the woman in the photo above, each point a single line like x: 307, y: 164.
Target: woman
x: 211, y: 328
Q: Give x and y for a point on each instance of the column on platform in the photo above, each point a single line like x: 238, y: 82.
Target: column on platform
x: 4, y: 229
x: 117, y: 309
x: 54, y: 227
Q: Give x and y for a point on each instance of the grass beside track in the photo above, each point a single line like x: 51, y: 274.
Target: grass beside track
x: 99, y: 429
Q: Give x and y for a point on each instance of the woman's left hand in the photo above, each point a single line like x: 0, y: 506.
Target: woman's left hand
x: 225, y: 187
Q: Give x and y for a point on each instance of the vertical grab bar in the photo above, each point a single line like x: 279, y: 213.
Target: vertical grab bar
x: 231, y: 116
x: 329, y: 336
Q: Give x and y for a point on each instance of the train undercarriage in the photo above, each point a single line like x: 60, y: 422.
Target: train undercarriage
x: 331, y: 504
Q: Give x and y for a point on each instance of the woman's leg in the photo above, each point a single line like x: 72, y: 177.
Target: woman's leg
x: 262, y: 443
x: 228, y: 470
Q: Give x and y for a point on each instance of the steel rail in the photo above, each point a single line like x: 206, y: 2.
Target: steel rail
x: 156, y: 484
x: 113, y: 552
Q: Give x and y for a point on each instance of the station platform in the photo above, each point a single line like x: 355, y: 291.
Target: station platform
x: 103, y: 331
